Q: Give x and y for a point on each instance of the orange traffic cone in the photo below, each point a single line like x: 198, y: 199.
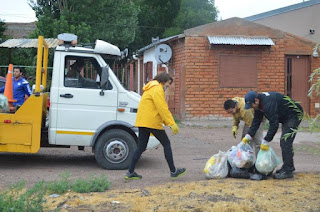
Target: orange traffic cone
x: 8, y: 90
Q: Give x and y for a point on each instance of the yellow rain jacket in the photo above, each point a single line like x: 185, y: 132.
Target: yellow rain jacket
x: 242, y: 114
x: 153, y: 109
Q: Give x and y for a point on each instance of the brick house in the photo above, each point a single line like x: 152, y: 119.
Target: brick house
x: 220, y: 60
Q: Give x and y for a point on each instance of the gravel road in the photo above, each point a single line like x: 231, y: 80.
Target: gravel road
x: 192, y: 147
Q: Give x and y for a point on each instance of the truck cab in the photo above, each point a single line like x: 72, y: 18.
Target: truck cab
x: 88, y: 108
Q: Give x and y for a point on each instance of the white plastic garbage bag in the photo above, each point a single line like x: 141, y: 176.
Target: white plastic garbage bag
x: 217, y: 166
x: 241, y: 156
x: 4, y: 105
x: 267, y: 161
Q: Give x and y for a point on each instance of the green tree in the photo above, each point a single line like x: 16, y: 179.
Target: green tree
x: 155, y: 17
x: 192, y: 13
x: 113, y: 21
x: 3, y: 28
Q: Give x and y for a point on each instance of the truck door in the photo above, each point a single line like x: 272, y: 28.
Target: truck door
x: 80, y: 107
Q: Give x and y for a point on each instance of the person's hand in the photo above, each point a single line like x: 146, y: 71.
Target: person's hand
x: 175, y: 128
x: 264, y: 145
x: 246, y: 139
x: 234, y: 131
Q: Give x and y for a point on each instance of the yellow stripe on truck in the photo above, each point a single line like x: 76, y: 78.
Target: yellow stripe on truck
x: 74, y: 132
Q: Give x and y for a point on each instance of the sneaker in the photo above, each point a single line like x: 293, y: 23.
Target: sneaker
x: 281, y: 169
x: 283, y: 175
x: 132, y: 176
x: 177, y: 173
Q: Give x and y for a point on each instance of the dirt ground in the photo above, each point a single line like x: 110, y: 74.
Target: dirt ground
x: 192, y: 147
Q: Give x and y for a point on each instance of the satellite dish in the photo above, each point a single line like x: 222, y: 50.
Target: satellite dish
x: 163, y: 53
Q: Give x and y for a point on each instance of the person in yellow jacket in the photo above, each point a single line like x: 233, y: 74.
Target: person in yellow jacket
x: 153, y: 113
x: 235, y: 107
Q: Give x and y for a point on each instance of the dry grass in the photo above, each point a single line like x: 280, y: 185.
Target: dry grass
x: 299, y: 194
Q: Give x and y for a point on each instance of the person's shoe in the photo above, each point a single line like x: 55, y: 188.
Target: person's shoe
x: 281, y: 169
x: 132, y: 176
x: 284, y: 174
x: 177, y: 173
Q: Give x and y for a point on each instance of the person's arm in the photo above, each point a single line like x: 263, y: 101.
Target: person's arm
x: 258, y: 116
x: 26, y: 87
x: 236, y: 121
x: 162, y: 106
x: 248, y: 117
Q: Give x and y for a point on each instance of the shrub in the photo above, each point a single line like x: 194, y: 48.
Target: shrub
x: 17, y: 199
x: 92, y: 184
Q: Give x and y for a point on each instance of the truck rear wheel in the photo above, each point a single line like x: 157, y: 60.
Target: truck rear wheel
x: 114, y: 149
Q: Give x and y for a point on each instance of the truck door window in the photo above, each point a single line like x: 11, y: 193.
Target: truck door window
x: 82, y: 72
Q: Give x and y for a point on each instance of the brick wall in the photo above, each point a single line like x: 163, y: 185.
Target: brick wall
x: 204, y: 97
x: 195, y: 61
x: 177, y: 66
x: 315, y: 63
x: 295, y: 45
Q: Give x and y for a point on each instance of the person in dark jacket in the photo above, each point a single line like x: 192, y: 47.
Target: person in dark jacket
x: 277, y: 108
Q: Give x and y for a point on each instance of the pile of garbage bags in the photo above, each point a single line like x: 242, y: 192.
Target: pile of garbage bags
x: 4, y: 106
x: 239, y: 161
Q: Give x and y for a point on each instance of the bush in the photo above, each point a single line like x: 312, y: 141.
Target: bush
x: 60, y: 187
x: 92, y: 184
x: 16, y: 199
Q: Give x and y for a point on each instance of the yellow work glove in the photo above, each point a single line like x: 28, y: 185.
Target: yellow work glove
x: 246, y: 139
x: 234, y: 131
x: 175, y: 128
x: 264, y: 145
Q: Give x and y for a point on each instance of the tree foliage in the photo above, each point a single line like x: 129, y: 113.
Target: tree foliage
x: 2, y: 29
x: 192, y: 13
x: 114, y: 21
x: 155, y: 17
x: 124, y: 23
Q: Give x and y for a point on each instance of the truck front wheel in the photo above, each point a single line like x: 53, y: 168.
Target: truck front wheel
x: 114, y: 149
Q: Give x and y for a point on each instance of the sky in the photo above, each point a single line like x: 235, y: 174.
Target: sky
x: 20, y: 11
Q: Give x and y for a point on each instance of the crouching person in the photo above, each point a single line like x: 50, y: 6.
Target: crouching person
x: 235, y: 107
x: 277, y: 108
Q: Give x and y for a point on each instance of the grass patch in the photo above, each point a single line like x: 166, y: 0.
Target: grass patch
x: 92, y: 184
x: 59, y: 186
x: 18, y: 198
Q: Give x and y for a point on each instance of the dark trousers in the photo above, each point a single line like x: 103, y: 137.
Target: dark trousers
x: 286, y: 145
x: 161, y: 135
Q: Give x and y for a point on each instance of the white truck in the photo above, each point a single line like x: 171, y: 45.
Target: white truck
x: 89, y: 109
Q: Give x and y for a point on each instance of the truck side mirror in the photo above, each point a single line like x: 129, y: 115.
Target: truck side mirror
x: 104, y: 79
